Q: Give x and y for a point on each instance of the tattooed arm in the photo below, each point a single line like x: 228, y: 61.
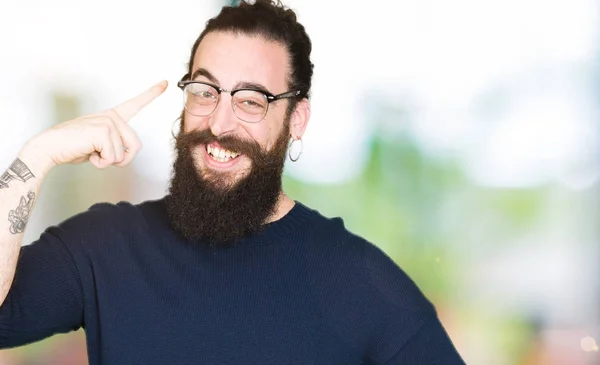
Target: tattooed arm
x: 104, y: 139
x: 19, y: 187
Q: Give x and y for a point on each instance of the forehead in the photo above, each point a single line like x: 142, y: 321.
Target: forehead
x: 235, y: 58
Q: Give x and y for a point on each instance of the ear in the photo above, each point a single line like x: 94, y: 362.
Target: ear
x: 299, y: 119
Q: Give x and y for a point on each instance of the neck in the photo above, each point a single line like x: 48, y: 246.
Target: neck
x: 283, y: 207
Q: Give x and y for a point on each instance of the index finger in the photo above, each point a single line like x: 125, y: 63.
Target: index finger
x: 132, y: 106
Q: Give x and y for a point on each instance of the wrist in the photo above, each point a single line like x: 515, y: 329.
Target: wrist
x: 33, y: 156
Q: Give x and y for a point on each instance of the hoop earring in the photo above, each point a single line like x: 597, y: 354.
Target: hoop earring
x: 290, y: 149
x: 172, y: 127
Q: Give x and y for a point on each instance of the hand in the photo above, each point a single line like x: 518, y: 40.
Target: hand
x: 105, y: 139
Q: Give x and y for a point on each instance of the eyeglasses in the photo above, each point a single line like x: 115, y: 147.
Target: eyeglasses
x: 249, y: 105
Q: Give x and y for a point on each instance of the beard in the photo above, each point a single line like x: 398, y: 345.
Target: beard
x: 221, y: 208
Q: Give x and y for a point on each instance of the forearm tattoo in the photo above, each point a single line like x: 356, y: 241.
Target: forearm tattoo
x: 17, y: 171
x: 19, y: 217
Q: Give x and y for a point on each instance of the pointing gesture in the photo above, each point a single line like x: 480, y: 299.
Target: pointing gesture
x: 104, y: 139
x: 131, y: 107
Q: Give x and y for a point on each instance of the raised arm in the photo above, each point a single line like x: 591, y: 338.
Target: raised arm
x: 103, y: 139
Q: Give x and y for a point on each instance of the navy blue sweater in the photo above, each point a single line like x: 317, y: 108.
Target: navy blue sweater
x: 303, y: 291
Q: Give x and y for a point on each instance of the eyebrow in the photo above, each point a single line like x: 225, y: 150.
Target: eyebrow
x: 240, y: 85
x: 204, y: 72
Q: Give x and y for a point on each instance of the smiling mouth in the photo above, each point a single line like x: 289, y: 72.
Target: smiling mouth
x: 220, y: 154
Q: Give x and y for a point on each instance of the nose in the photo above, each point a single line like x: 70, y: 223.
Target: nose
x: 223, y: 120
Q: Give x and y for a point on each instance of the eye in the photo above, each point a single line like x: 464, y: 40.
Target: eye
x: 251, y: 103
x: 202, y: 91
x: 205, y: 94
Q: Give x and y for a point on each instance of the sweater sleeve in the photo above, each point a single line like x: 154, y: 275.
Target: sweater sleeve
x: 46, y: 294
x: 404, y: 325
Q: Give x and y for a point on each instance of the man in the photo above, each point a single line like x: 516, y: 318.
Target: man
x: 226, y: 269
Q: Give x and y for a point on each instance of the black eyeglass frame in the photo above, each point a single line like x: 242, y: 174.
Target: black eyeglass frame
x: 269, y: 96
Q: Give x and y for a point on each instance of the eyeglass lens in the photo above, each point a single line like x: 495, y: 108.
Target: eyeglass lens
x: 248, y: 105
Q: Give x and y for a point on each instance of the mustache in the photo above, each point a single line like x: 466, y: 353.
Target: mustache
x: 251, y: 149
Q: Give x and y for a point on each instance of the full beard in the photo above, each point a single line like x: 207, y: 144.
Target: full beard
x: 219, y: 208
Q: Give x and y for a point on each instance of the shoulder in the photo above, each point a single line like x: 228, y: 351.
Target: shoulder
x: 104, y: 222
x: 332, y: 232
x: 366, y: 285
x: 364, y: 264
x: 319, y: 226
x: 120, y: 214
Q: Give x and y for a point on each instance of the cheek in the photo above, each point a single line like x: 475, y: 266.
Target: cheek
x: 274, y: 133
x: 194, y: 123
x: 270, y: 130
x: 256, y: 132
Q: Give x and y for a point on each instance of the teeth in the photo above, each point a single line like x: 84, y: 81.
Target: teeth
x: 220, y: 154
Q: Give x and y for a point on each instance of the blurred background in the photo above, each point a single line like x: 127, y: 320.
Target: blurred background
x: 462, y: 137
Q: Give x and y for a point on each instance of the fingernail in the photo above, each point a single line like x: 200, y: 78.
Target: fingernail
x: 163, y: 84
